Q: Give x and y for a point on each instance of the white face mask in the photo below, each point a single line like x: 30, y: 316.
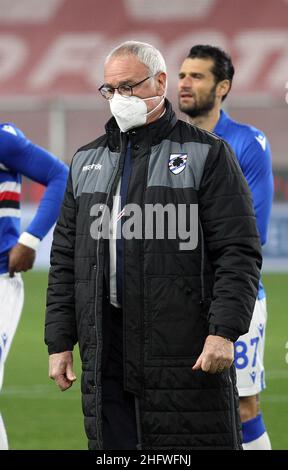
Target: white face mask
x: 131, y: 111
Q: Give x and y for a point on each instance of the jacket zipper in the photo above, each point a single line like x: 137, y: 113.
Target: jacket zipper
x: 202, y: 263
x: 137, y: 400
x: 98, y: 355
x: 233, y: 417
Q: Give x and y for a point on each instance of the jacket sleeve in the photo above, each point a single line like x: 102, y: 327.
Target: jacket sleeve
x: 60, y: 324
x: 232, y: 241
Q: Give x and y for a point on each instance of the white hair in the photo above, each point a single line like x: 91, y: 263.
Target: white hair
x: 146, y: 53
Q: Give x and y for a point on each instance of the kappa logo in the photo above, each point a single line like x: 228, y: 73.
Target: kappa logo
x: 177, y: 162
x: 93, y: 166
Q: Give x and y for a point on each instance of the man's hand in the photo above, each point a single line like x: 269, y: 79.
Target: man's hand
x: 61, y: 369
x: 21, y: 258
x: 217, y: 355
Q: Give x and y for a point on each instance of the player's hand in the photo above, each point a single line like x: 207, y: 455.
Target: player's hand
x: 217, y: 355
x: 21, y: 258
x: 61, y: 369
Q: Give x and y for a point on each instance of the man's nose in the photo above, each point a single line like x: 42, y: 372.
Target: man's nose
x: 186, y: 82
x: 187, y: 86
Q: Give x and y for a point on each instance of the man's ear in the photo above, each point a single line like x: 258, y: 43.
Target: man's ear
x: 223, y: 88
x: 161, y: 80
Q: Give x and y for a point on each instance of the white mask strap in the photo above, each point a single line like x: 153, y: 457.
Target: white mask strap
x: 156, y: 107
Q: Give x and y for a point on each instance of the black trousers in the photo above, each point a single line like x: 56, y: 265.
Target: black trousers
x: 118, y: 406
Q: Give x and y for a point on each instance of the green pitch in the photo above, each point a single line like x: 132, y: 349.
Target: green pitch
x: 38, y: 416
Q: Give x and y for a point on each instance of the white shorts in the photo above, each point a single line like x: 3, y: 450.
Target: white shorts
x: 249, y: 354
x: 11, y: 303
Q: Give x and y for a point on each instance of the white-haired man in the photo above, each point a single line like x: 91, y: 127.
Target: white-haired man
x: 155, y: 319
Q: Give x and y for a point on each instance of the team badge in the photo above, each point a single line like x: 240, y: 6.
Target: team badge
x: 177, y: 162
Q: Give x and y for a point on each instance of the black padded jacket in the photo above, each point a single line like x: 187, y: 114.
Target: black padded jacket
x: 173, y: 298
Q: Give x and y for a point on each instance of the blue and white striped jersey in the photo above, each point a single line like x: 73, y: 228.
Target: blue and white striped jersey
x: 19, y: 156
x: 252, y: 150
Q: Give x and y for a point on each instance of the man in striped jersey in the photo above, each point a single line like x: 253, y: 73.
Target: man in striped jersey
x: 19, y: 156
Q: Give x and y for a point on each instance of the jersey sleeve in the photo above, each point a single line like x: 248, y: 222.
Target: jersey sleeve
x: 256, y: 164
x: 20, y: 155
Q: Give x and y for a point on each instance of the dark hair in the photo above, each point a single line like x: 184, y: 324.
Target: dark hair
x: 222, y: 69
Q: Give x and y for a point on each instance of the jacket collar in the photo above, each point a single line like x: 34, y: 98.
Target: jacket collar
x: 152, y: 133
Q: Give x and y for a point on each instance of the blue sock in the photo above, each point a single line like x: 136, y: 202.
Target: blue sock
x: 253, y: 429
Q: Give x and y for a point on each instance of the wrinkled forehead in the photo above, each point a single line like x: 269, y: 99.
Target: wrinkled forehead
x: 121, y: 68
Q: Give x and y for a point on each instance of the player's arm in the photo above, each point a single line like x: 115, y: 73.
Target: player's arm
x: 256, y: 164
x: 22, y: 156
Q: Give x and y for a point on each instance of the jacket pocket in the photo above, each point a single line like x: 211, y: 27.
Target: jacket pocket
x: 178, y: 324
